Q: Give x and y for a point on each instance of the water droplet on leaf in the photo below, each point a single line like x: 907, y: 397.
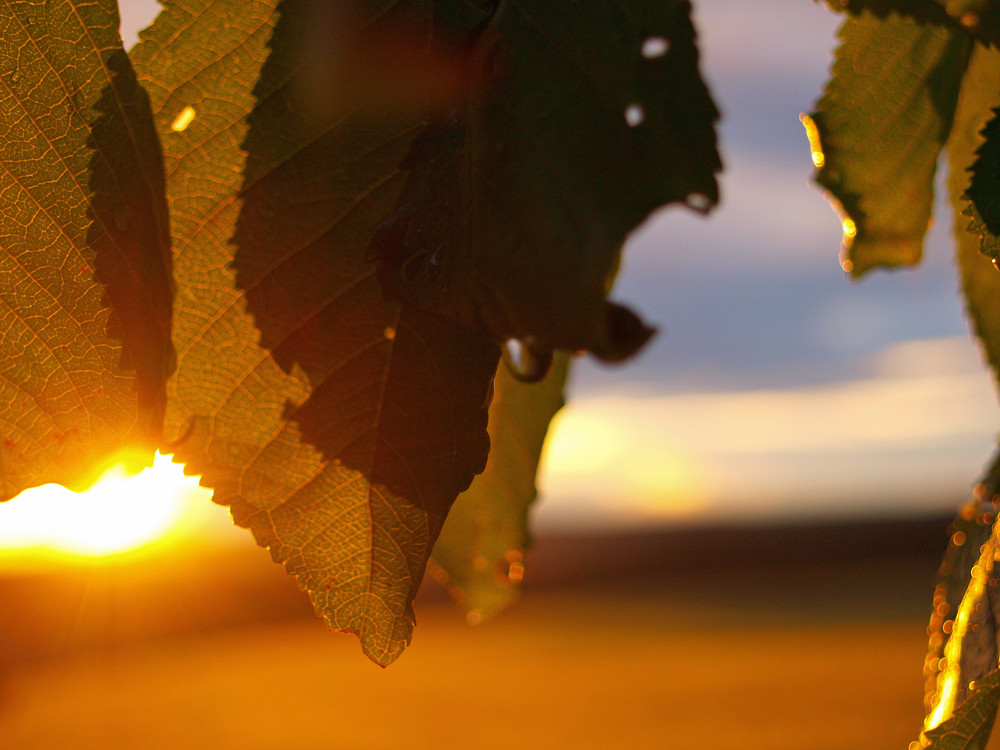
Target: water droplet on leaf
x: 524, y: 361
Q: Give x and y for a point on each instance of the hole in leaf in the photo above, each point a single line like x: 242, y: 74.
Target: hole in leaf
x: 185, y: 118
x: 655, y: 46
x: 634, y: 115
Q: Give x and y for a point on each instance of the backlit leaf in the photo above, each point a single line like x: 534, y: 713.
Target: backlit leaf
x: 479, y: 554
x: 882, y: 121
x: 963, y: 629
x: 85, y: 288
x: 338, y: 427
x: 970, y: 727
x: 582, y: 119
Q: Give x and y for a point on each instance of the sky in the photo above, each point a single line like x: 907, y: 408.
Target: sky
x: 776, y: 388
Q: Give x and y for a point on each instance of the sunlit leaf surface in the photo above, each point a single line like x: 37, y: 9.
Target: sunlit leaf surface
x: 969, y: 728
x: 480, y: 553
x: 963, y: 627
x: 881, y: 122
x: 962, y: 648
x: 85, y: 287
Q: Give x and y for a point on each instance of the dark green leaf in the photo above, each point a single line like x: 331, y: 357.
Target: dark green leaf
x: 519, y: 201
x: 479, y: 554
x: 963, y: 643
x: 984, y: 190
x: 970, y: 727
x: 979, y: 278
x: 882, y: 121
x: 85, y: 288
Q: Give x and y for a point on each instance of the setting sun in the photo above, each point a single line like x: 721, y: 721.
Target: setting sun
x: 120, y: 513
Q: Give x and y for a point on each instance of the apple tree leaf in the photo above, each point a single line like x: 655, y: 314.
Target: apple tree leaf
x: 85, y: 281
x: 480, y: 553
x: 963, y: 628
x: 882, y: 121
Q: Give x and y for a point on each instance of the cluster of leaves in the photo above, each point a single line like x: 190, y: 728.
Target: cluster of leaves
x: 286, y: 241
x: 913, y: 78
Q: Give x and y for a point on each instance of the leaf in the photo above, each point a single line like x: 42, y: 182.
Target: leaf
x: 479, y: 554
x: 882, y: 121
x: 338, y: 427
x: 980, y: 280
x: 984, y: 190
x: 970, y: 727
x: 85, y: 289
x: 963, y: 629
x: 503, y: 225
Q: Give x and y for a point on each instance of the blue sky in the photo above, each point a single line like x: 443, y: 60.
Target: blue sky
x: 776, y: 387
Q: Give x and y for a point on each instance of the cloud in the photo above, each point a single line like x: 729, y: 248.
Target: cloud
x: 915, y: 432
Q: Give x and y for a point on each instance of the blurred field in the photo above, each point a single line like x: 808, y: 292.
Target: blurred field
x: 759, y: 638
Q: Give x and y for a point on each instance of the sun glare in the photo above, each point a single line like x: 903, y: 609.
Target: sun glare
x: 633, y: 471
x: 121, y: 512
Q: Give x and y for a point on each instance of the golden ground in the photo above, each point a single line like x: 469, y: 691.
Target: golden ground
x: 769, y: 656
